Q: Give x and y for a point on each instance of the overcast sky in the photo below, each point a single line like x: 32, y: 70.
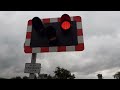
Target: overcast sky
x: 101, y: 32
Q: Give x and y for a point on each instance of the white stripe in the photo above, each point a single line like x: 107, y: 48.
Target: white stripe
x: 52, y: 49
x: 36, y: 50
x: 70, y: 48
x: 29, y: 28
x: 71, y: 18
x: 53, y: 19
x: 27, y: 42
x: 80, y: 39
x: 79, y: 25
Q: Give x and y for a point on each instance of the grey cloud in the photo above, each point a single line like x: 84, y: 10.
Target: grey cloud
x: 103, y: 55
x: 101, y: 38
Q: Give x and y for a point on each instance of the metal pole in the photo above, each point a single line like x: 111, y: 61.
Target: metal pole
x: 33, y: 61
x: 39, y: 73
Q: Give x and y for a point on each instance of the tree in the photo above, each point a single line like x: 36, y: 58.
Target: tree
x: 49, y: 77
x: 2, y: 78
x: 117, y: 75
x: 25, y: 77
x: 100, y: 76
x: 17, y: 77
x: 61, y: 73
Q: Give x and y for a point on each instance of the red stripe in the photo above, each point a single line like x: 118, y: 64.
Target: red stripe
x: 27, y: 49
x: 29, y: 22
x: 47, y: 20
x: 79, y: 32
x: 28, y: 35
x: 61, y: 48
x: 79, y: 47
x: 44, y: 49
x: 77, y: 18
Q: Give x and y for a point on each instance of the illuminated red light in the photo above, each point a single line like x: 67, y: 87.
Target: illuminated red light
x: 65, y: 25
x: 65, y: 22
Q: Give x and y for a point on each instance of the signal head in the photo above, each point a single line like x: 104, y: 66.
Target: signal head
x: 65, y: 22
x: 37, y: 24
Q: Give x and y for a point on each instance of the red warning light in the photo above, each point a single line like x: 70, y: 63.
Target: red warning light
x: 65, y: 25
x: 65, y: 22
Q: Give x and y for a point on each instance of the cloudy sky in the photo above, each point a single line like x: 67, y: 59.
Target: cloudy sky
x: 101, y: 31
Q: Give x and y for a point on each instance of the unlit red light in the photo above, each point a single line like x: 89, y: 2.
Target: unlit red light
x: 65, y: 25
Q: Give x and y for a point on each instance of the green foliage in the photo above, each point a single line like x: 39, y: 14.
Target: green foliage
x: 100, y: 76
x: 2, y: 78
x: 25, y: 77
x: 49, y: 77
x: 117, y: 75
x: 17, y: 77
x: 61, y: 73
